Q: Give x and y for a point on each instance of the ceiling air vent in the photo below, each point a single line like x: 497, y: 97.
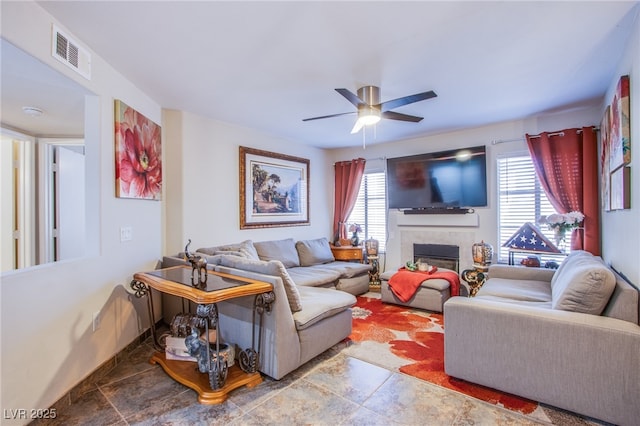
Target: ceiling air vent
x: 68, y: 51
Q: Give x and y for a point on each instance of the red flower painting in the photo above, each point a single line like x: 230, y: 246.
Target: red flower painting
x: 138, y: 154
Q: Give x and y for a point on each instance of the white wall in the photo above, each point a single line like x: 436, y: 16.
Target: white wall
x: 6, y: 216
x: 202, y: 200
x: 621, y: 228
x: 512, y: 131
x: 48, y: 345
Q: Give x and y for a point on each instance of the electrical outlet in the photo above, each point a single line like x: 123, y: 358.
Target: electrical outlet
x: 126, y: 234
x: 96, y: 320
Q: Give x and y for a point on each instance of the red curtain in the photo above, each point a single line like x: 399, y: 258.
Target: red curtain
x: 566, y: 164
x: 347, y: 181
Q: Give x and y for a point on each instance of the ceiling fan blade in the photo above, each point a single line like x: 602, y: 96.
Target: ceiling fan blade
x: 356, y: 127
x: 351, y: 97
x: 328, y: 116
x: 395, y: 103
x: 402, y: 117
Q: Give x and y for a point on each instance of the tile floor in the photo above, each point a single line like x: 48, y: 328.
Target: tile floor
x: 333, y: 389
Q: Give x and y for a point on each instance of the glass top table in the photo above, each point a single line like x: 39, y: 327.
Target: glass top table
x: 218, y: 287
x: 214, y: 387
x: 184, y: 276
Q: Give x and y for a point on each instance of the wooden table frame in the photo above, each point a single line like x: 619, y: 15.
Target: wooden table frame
x: 212, y: 388
x: 348, y: 253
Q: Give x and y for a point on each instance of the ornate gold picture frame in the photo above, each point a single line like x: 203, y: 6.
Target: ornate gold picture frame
x: 274, y: 189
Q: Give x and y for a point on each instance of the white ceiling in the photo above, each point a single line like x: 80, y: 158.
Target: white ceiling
x: 267, y: 65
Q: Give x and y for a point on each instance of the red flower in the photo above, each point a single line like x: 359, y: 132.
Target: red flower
x: 139, y: 166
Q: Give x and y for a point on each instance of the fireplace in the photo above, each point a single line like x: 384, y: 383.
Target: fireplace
x: 441, y: 255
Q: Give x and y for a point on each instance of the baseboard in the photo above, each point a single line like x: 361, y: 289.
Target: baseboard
x: 89, y: 382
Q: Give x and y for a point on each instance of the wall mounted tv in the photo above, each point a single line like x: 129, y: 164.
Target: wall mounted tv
x: 455, y: 179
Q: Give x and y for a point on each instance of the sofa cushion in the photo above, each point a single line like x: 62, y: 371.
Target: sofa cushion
x: 320, y: 303
x: 585, y: 285
x: 273, y: 267
x: 513, y: 302
x: 354, y: 285
x: 314, y: 252
x: 516, y: 290
x: 348, y: 269
x: 313, y: 276
x: 282, y: 250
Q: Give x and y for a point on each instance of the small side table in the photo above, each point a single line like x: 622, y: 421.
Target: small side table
x: 374, y: 273
x: 213, y: 386
x: 347, y: 253
x: 475, y: 278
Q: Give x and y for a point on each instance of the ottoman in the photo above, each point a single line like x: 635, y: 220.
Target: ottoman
x: 430, y: 296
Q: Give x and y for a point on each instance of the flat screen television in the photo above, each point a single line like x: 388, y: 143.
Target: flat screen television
x: 438, y: 180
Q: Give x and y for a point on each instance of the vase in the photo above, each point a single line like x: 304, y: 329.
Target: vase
x: 558, y: 235
x: 355, y: 241
x: 482, y: 255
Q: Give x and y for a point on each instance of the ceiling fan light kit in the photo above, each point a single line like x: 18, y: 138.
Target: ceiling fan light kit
x: 370, y: 110
x: 367, y: 116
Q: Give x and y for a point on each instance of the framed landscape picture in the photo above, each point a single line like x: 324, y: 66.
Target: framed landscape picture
x: 274, y: 189
x: 138, y: 147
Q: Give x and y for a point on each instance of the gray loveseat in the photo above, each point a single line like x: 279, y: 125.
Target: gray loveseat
x: 310, y: 313
x: 569, y: 339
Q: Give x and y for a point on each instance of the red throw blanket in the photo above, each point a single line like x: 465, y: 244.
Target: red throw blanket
x: 405, y: 283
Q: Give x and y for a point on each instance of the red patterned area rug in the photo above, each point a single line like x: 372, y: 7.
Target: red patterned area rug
x: 412, y: 341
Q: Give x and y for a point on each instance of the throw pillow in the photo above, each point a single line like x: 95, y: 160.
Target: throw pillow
x: 566, y: 264
x: 249, y: 251
x: 210, y: 251
x: 314, y: 252
x: 274, y: 268
x: 244, y: 249
x: 585, y: 286
x: 229, y: 253
x: 282, y: 250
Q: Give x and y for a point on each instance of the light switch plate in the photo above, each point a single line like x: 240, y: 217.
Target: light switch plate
x: 126, y: 234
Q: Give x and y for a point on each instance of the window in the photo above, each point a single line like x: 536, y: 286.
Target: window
x: 521, y: 199
x: 370, y: 209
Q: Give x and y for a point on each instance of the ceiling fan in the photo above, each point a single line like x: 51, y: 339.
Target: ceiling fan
x: 371, y: 110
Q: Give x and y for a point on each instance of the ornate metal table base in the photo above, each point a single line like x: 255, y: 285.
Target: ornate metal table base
x: 221, y: 379
x: 249, y: 358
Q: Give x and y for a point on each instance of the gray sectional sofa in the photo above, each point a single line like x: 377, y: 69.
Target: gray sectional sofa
x: 313, y: 298
x: 568, y: 338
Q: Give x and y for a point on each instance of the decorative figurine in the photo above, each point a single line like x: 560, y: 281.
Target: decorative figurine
x: 198, y: 267
x: 209, y: 359
x: 198, y: 349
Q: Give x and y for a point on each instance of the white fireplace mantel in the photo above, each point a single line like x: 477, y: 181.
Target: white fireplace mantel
x: 466, y: 220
